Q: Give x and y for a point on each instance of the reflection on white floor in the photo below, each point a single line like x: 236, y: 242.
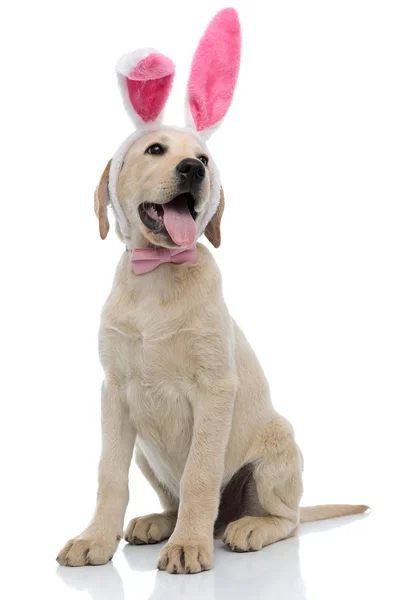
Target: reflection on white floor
x: 334, y: 558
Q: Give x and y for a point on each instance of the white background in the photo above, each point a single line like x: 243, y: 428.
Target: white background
x: 309, y: 156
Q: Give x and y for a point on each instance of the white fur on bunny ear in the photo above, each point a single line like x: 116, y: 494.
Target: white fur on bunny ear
x: 214, y: 73
x: 145, y: 78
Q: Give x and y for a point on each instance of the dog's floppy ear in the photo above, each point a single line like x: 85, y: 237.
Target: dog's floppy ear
x: 101, y: 202
x: 213, y: 229
x: 214, y: 73
x: 145, y: 79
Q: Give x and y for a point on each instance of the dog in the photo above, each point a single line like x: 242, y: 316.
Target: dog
x: 182, y: 385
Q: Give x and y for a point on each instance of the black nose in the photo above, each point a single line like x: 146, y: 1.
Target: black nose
x: 191, y: 169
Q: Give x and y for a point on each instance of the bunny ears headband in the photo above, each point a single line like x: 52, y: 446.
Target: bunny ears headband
x: 145, y: 79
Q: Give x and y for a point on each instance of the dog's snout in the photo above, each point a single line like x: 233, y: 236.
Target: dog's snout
x: 191, y: 169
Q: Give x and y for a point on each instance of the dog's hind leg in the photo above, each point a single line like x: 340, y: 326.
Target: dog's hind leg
x: 277, y: 476
x: 155, y: 527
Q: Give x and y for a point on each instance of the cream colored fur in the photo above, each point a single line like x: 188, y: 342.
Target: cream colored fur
x: 183, y: 387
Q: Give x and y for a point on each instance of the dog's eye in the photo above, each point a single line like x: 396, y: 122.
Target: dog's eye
x: 204, y: 159
x: 155, y: 149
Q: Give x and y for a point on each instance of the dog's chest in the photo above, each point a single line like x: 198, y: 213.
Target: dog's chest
x: 158, y: 340
x: 158, y: 396
x: 160, y: 379
x: 153, y: 355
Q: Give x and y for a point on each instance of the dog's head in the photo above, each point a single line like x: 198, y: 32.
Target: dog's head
x: 168, y: 188
x: 162, y: 182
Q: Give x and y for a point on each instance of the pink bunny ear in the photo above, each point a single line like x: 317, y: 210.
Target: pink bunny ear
x: 145, y: 78
x: 214, y: 71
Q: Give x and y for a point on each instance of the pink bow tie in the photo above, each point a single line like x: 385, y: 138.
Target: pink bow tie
x: 145, y: 260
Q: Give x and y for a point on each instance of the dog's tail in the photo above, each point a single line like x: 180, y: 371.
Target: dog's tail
x: 328, y: 511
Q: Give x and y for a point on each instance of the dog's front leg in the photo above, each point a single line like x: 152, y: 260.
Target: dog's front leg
x: 98, y: 542
x: 190, y: 548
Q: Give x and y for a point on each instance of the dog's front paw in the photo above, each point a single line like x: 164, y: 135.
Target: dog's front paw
x: 87, y: 550
x: 186, y: 556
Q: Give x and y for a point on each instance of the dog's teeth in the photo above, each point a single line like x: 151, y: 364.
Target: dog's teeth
x: 151, y: 211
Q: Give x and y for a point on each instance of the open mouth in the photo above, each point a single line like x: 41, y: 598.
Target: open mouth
x: 176, y: 217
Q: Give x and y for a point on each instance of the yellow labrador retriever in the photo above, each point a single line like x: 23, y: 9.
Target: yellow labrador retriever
x: 182, y: 385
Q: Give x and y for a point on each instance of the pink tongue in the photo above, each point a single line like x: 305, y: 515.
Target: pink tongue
x: 179, y: 222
